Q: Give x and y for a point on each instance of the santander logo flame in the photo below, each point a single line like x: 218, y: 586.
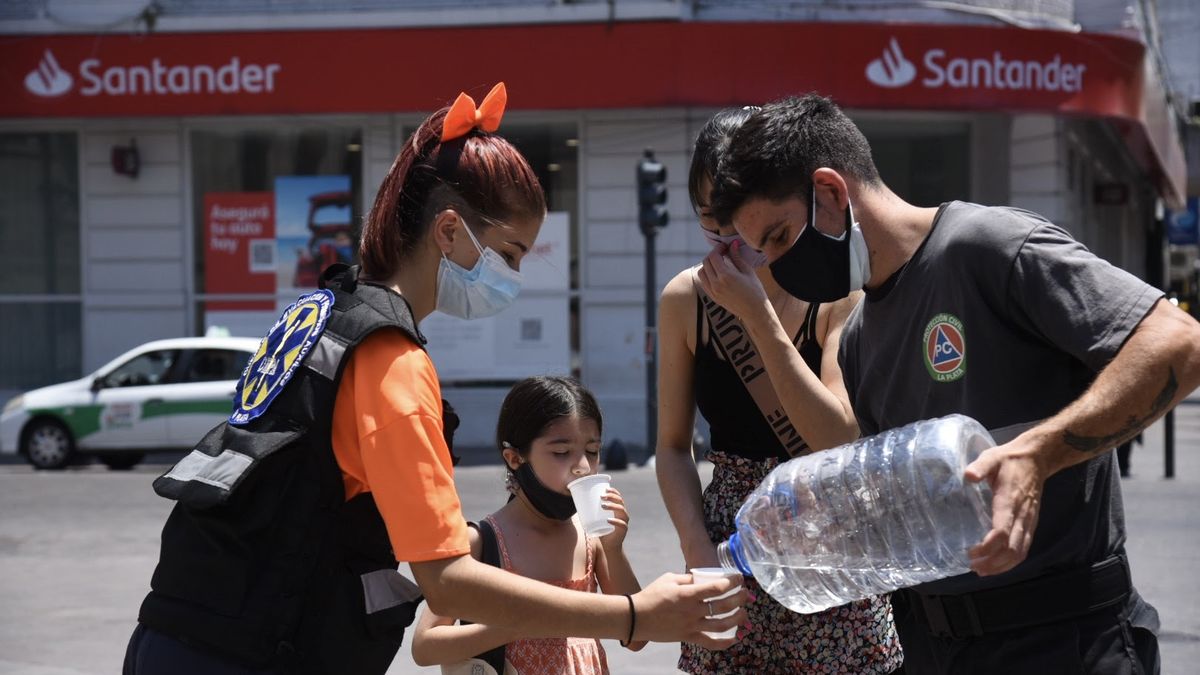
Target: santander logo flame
x: 48, y: 79
x: 892, y: 70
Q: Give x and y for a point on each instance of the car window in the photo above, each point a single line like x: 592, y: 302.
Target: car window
x: 143, y: 369
x: 210, y: 365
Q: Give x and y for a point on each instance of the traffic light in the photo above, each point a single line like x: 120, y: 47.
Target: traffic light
x: 652, y: 194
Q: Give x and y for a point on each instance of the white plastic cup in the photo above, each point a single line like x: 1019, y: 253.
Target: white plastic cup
x: 587, y: 493
x: 702, y: 574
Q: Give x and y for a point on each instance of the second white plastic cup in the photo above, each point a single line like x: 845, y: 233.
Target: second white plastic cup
x: 701, y: 574
x: 587, y: 493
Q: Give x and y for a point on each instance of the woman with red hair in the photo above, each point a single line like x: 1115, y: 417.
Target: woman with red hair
x: 260, y: 571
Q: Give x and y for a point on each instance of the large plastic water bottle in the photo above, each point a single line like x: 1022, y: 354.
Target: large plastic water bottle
x: 885, y: 512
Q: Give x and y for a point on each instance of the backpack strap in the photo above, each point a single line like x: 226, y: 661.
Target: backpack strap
x: 365, y: 306
x: 491, y: 556
x: 491, y: 545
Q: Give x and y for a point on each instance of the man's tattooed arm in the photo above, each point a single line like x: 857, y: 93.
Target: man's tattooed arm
x: 1157, y: 366
x: 1133, y: 424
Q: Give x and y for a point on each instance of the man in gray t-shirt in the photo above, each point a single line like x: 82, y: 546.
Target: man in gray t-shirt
x: 997, y: 314
x: 1003, y: 317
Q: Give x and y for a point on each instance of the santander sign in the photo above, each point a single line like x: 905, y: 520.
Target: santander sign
x: 892, y: 70
x: 154, y: 78
x: 48, y: 79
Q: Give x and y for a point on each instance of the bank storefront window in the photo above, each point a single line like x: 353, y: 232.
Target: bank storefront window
x: 40, y: 309
x: 271, y: 208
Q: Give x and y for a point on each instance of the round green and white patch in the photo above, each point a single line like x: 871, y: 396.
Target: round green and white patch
x: 945, y: 348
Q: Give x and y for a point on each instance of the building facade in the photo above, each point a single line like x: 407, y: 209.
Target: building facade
x: 172, y: 166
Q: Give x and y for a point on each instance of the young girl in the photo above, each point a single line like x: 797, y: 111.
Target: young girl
x: 797, y: 346
x: 549, y: 435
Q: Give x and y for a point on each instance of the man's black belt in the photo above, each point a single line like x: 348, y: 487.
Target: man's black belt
x: 1050, y: 598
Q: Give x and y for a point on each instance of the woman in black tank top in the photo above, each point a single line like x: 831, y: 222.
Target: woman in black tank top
x: 724, y: 401
x: 740, y: 376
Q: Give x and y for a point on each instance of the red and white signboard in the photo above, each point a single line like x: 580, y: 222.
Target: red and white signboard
x: 584, y: 66
x: 239, y: 248
x: 570, y: 66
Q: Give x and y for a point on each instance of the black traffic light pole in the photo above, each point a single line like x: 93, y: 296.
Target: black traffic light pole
x: 1156, y: 275
x: 652, y: 217
x: 651, y: 349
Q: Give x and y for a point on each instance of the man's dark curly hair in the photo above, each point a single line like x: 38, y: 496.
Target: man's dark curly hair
x: 774, y: 153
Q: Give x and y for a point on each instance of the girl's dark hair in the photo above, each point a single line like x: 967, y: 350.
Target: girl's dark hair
x: 711, y: 144
x: 536, y: 402
x: 481, y: 175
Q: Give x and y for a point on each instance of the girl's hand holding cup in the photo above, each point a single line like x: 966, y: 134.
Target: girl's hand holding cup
x: 589, y: 494
x: 614, y: 502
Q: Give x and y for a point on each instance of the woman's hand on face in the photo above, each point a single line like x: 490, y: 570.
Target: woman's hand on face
x: 613, y: 501
x: 733, y: 284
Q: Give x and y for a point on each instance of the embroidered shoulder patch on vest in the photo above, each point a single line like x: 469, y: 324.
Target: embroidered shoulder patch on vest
x: 279, y: 354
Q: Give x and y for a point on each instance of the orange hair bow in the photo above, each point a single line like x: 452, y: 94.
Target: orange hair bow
x: 464, y: 116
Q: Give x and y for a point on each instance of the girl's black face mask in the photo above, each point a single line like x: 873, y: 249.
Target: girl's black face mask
x: 549, y: 503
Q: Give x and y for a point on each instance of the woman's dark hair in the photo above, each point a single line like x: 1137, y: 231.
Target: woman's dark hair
x: 535, y: 403
x: 711, y: 144
x: 775, y: 152
x: 481, y: 175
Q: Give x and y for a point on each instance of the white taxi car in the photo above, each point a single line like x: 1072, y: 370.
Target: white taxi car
x: 163, y: 395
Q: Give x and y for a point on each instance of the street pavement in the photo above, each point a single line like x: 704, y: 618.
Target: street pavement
x: 77, y: 549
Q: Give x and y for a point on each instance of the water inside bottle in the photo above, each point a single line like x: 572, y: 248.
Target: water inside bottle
x: 886, y: 512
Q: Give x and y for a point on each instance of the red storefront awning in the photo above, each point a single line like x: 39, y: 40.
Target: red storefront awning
x: 587, y: 66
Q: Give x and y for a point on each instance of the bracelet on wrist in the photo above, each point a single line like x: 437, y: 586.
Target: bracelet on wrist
x: 632, y: 620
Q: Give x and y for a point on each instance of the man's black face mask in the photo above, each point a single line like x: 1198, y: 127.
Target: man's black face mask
x: 820, y: 268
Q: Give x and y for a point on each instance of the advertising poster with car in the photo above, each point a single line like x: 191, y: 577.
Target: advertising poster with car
x: 530, y: 338
x: 314, y: 229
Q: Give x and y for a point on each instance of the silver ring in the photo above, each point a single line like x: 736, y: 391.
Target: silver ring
x: 710, y: 610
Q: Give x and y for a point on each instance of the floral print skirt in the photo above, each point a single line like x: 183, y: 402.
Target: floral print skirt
x: 855, y: 638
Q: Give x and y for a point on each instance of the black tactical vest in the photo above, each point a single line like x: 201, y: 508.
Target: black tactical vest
x: 263, y: 560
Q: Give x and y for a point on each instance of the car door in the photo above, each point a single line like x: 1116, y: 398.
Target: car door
x: 203, y: 397
x: 124, y: 399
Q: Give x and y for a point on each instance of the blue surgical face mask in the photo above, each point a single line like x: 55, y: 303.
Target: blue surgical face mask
x: 751, y: 256
x: 484, y: 290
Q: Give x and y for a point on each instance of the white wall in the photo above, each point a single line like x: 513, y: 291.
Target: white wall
x: 989, y: 159
x: 1055, y: 165
x: 1116, y: 232
x: 134, y: 271
x: 381, y: 143
x: 613, y: 265
x: 1036, y: 168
